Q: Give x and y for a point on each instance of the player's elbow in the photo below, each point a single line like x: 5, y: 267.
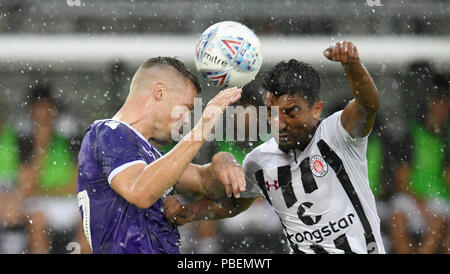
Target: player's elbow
x: 369, y: 104
x: 373, y: 104
x: 142, y: 204
x: 141, y: 201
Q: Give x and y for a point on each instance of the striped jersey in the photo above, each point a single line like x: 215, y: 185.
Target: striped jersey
x: 321, y: 194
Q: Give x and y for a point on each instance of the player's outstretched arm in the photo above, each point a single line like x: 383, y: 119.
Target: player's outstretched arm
x: 224, y: 175
x: 358, y: 116
x: 204, y: 209
x: 142, y: 185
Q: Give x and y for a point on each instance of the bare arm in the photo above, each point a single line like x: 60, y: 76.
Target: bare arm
x: 359, y: 115
x: 213, y: 180
x: 190, y: 182
x: 204, y: 209
x: 142, y: 185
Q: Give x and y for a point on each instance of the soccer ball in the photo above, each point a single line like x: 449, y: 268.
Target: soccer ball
x: 228, y: 54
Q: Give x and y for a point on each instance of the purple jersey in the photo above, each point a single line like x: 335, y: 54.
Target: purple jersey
x: 111, y: 224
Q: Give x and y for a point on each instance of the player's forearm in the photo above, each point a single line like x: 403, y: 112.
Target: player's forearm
x: 205, y: 209
x: 363, y: 87
x: 223, y: 176
x: 162, y: 174
x: 219, y: 209
x: 210, y: 173
x: 209, y: 183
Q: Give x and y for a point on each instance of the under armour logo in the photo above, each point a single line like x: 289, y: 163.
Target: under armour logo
x: 372, y: 3
x: 275, y: 185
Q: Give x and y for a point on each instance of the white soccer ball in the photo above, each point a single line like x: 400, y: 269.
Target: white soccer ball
x: 228, y: 54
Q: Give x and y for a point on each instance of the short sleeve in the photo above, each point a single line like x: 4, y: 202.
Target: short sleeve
x: 117, y: 148
x: 251, y: 189
x: 336, y: 135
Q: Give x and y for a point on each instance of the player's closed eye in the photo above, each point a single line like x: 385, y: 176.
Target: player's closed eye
x: 292, y: 111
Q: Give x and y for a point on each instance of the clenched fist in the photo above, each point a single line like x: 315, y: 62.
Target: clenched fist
x: 343, y: 51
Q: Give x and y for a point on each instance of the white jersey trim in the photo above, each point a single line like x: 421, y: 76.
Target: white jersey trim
x: 119, y: 169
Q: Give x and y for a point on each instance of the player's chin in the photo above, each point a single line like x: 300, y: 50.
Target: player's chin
x: 175, y: 135
x: 167, y: 139
x: 286, y: 144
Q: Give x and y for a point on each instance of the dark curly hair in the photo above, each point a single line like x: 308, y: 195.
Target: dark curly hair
x: 293, y: 77
x: 176, y: 64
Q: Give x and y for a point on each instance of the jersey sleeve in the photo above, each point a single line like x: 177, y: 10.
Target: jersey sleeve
x: 337, y: 136
x: 251, y: 188
x: 117, y: 148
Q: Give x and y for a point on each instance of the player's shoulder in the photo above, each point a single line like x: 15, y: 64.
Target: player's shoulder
x: 331, y: 120
x: 332, y: 130
x: 111, y: 132
x: 261, y: 153
x: 110, y: 126
x: 266, y: 147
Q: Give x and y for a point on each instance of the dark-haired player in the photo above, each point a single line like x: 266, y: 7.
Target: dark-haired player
x: 314, y: 172
x: 122, y: 177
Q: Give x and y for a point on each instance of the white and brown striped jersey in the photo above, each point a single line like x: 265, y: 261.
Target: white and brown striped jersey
x: 321, y: 194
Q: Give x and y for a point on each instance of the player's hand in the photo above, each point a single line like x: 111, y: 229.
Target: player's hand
x: 216, y: 106
x: 175, y: 212
x: 343, y: 51
x: 224, y: 98
x: 229, y: 172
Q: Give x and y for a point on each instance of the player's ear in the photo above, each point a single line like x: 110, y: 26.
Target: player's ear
x: 317, y: 109
x: 159, y: 90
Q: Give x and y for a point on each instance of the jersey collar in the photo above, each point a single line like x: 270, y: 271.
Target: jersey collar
x: 134, y: 130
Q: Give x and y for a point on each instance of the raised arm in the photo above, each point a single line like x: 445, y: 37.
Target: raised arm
x: 358, y: 116
x: 142, y: 185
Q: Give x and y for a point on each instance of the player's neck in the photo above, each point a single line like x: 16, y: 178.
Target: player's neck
x: 311, y: 135
x: 305, y: 143
x: 135, y: 119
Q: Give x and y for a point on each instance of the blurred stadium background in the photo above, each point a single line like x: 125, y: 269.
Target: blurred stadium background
x: 84, y: 53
